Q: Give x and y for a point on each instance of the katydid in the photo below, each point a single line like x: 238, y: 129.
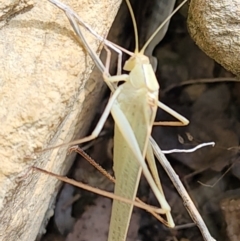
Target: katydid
x: 74, y: 19
x: 133, y: 106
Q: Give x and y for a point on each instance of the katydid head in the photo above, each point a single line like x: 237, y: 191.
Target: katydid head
x: 136, y: 59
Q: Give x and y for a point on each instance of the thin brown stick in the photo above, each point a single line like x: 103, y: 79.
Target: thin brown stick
x: 188, y: 203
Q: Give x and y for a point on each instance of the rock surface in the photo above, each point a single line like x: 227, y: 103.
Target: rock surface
x: 47, y: 97
x: 214, y: 26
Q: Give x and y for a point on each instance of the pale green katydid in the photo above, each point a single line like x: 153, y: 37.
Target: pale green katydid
x: 133, y: 106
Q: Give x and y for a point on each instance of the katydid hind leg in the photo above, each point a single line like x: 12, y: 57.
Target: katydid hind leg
x: 153, y: 168
x: 126, y: 130
x: 112, y: 179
